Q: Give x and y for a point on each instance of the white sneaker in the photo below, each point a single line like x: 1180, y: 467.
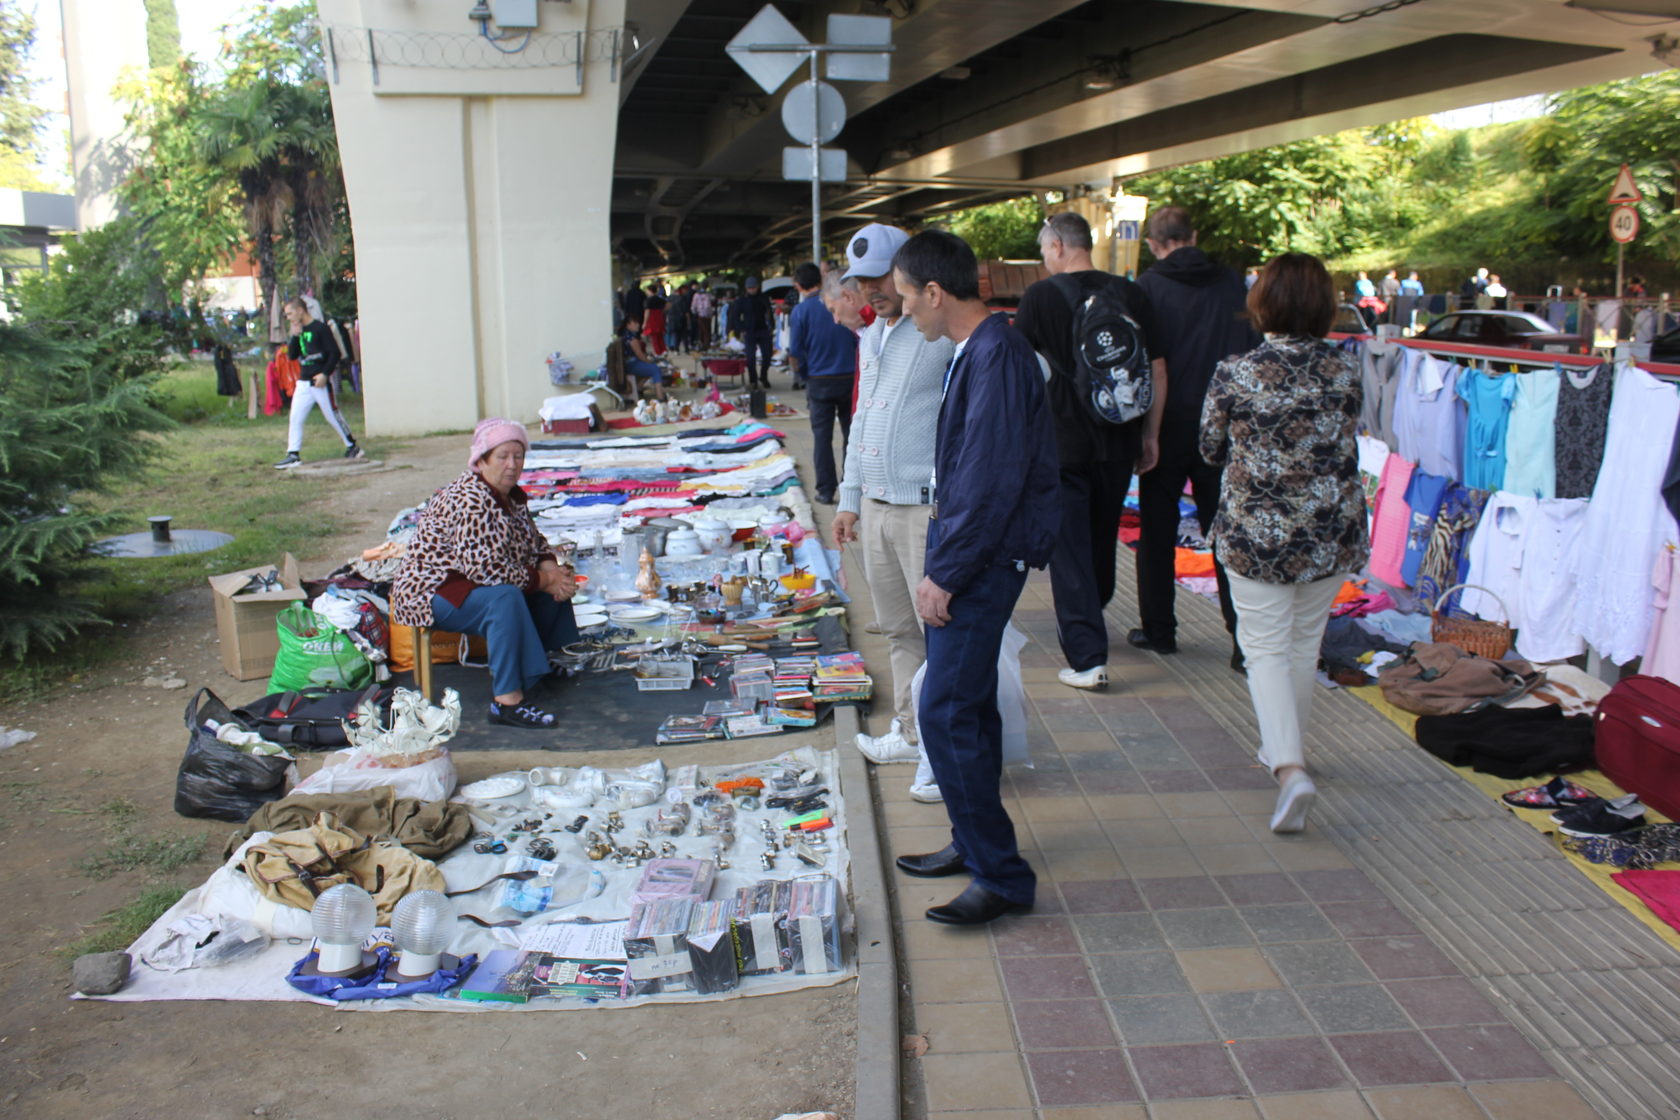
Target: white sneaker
x: 926, y: 792
x: 1090, y: 678
x: 888, y: 748
x: 1295, y: 798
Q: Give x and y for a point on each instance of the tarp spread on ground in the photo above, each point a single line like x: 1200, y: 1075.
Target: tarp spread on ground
x: 569, y: 919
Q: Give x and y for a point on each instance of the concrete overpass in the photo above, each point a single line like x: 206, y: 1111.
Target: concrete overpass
x: 989, y: 99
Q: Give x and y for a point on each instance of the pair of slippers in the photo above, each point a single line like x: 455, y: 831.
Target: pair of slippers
x: 1559, y: 793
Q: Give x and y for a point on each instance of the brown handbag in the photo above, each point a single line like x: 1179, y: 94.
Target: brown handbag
x: 1439, y: 678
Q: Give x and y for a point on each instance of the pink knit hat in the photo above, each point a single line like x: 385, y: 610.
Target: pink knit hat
x: 492, y: 433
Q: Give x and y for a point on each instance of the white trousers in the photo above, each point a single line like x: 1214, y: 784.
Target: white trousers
x: 1280, y: 627
x: 894, y: 540
x: 305, y: 397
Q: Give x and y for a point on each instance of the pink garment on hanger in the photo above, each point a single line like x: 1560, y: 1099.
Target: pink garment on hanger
x: 1390, y: 520
x: 1662, y: 651
x: 1660, y: 890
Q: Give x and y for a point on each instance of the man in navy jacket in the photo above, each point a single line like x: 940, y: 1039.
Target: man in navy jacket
x: 994, y: 516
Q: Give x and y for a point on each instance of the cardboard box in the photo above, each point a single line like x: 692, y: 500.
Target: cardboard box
x: 245, y: 620
x: 565, y: 427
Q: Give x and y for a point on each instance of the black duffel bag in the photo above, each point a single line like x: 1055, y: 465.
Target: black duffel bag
x: 220, y: 781
x: 312, y: 719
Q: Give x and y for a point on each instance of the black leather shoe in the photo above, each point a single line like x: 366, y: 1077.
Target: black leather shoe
x: 934, y: 865
x: 1140, y: 639
x: 975, y: 906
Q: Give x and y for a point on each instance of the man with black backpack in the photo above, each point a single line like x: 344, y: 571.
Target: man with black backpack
x: 1097, y: 333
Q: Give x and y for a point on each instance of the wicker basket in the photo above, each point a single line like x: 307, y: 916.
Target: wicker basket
x: 1473, y: 635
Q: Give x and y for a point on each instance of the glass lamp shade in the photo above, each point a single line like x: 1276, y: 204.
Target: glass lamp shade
x: 423, y: 924
x: 343, y: 916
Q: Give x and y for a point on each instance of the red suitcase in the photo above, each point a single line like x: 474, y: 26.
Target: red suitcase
x: 1637, y: 741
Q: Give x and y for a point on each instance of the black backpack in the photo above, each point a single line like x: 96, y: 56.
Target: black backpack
x: 1110, y: 362
x: 311, y: 718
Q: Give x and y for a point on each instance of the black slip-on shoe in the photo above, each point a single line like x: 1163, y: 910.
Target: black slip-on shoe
x: 975, y: 906
x: 934, y: 865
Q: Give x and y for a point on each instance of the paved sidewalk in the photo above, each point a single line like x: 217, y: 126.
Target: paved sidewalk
x: 1183, y: 961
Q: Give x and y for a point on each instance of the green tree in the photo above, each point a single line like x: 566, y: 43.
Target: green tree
x: 21, y: 120
x: 1001, y: 230
x: 163, y: 34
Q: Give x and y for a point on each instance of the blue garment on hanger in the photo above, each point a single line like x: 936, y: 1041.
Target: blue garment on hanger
x: 1489, y: 400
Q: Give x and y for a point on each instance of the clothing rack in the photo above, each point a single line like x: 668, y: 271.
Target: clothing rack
x: 1489, y: 356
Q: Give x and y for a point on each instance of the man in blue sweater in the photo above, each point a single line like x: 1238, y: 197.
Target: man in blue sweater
x: 823, y: 355
x: 994, y: 516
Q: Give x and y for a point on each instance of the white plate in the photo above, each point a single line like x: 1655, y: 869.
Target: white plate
x: 489, y: 789
x: 635, y: 614
x: 585, y: 621
x: 623, y: 596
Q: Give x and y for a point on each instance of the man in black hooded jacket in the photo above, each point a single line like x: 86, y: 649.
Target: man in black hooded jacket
x: 1200, y: 308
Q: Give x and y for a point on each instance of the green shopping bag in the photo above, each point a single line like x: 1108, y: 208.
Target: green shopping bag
x: 315, y: 654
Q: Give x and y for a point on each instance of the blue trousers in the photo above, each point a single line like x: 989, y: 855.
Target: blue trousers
x: 519, y: 627
x: 963, y: 734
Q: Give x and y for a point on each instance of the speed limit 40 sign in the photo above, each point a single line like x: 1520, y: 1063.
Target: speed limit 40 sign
x: 1624, y: 224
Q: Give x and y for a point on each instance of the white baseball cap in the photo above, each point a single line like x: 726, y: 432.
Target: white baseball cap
x: 871, y: 250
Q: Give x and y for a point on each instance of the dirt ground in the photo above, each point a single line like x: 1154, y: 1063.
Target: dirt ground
x: 112, y: 737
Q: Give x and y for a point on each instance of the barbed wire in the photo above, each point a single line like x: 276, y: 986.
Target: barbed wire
x: 449, y: 50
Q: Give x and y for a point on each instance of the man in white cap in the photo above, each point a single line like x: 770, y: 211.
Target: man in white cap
x: 886, y: 489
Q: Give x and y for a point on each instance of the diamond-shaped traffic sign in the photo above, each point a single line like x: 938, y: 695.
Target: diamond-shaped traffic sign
x: 768, y: 68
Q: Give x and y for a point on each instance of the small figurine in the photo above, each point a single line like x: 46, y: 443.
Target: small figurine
x: 647, y: 579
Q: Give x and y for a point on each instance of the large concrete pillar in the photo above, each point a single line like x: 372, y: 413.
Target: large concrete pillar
x: 102, y: 39
x: 480, y: 191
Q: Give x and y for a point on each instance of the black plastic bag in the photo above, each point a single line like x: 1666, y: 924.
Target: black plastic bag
x: 216, y: 780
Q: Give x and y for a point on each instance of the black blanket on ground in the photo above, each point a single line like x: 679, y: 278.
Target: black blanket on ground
x: 1510, y: 742
x: 598, y: 711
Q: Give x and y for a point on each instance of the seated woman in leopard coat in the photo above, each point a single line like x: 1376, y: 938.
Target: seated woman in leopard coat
x: 480, y: 565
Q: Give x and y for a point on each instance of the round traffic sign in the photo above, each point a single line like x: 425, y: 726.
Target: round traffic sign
x: 814, y: 112
x: 1624, y: 224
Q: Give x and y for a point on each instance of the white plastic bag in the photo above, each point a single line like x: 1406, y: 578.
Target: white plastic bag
x: 353, y: 771
x: 1011, y: 698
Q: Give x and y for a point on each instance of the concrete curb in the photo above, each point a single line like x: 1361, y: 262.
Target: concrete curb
x: 876, y: 1094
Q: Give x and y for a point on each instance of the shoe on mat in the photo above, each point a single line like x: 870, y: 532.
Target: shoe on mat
x: 1599, y: 817
x: 1558, y: 793
x: 889, y: 748
x: 520, y: 715
x: 291, y: 460
x: 1140, y: 639
x: 1295, y: 798
x: 1096, y: 677
x: 926, y: 792
x: 354, y: 451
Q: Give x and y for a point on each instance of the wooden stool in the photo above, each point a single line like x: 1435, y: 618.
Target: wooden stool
x: 423, y: 660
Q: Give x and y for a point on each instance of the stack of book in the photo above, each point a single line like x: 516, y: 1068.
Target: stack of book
x: 840, y: 676
x: 793, y: 705
x: 690, y: 729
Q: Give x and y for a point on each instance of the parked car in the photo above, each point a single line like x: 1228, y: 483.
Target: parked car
x: 1511, y: 329
x: 1665, y: 348
x: 1349, y: 320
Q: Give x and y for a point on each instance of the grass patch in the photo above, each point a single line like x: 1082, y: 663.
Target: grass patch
x: 214, y: 472
x: 128, y: 849
x: 121, y: 927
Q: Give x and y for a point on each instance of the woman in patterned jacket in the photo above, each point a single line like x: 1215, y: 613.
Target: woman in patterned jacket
x: 1282, y: 419
x: 480, y: 565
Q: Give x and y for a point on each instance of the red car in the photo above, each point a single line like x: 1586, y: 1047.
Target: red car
x: 1517, y: 330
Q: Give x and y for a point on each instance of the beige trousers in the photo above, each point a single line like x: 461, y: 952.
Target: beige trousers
x: 894, y: 540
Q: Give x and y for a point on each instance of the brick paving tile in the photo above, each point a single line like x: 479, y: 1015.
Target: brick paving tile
x: 1019, y: 936
x: 1234, y: 859
x: 1047, y: 978
x: 1294, y: 921
x: 1063, y: 835
x: 1080, y: 865
x: 929, y: 941
x: 1303, y: 852
x: 1167, y: 862
x: 1368, y: 919
x: 1155, y: 832
x: 1063, y: 1024
x: 1063, y: 808
x: 1182, y: 892
x: 1118, y: 933
x: 1175, y: 781
x: 1207, y: 1109
x: 1345, y: 1105
x: 1489, y: 1053
x: 1260, y: 1014
x: 1063, y: 703
x: 972, y: 1081
x: 1444, y: 1003
x: 1085, y: 741
x: 1143, y: 1020
x: 1317, y: 962
x: 1524, y: 1100
x: 1212, y: 830
x: 1109, y: 783
x: 1101, y: 896
x: 1154, y: 973
x: 1346, y: 1008
x: 1258, y: 889
x: 1180, y: 806
x: 1289, y: 1065
x: 1436, y: 1102
x: 1073, y: 721
x: 1125, y: 807
x: 1184, y: 1070
x: 1184, y: 717
x: 1227, y: 970
x: 1099, y: 760
x: 1214, y: 928
x: 955, y: 981
x: 1403, y: 958
x: 1243, y: 777
x: 1107, y: 1112
x: 1151, y: 752
x: 1339, y: 885
x: 1067, y: 1077
x: 961, y: 1028
x: 1118, y: 704
x: 1390, y: 1058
